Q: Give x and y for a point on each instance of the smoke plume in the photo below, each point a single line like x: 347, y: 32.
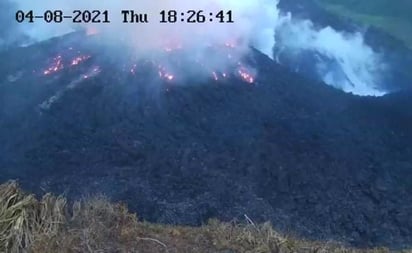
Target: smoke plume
x: 253, y: 22
x: 340, y: 59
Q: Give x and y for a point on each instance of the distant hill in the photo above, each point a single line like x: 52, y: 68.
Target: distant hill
x: 394, y: 17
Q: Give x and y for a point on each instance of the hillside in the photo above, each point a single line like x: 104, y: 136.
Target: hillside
x: 52, y: 225
x: 394, y: 17
x: 311, y: 159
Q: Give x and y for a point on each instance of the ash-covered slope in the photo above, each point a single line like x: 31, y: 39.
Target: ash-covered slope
x: 313, y: 160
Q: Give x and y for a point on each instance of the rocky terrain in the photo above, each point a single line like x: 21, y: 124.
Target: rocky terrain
x: 314, y: 161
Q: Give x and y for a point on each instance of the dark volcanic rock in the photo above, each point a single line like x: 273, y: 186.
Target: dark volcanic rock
x: 313, y: 160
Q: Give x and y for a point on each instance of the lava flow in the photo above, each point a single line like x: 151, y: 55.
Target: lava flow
x: 246, y: 75
x: 174, y: 63
x: 60, y: 62
x: 79, y: 59
x: 55, y: 66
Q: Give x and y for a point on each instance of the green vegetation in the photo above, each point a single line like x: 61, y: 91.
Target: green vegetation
x: 393, y: 17
x: 49, y: 225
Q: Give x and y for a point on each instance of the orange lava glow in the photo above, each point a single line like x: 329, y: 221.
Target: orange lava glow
x: 245, y: 75
x: 55, y: 66
x: 79, y: 59
x: 58, y: 63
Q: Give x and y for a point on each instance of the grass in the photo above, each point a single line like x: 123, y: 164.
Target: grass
x: 50, y: 225
x: 393, y: 17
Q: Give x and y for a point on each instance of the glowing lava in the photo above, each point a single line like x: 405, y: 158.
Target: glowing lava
x: 246, y: 75
x: 173, y: 64
x: 59, y: 62
x: 79, y: 59
x: 165, y: 74
x: 56, y: 65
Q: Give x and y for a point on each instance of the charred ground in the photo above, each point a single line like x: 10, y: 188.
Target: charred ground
x: 311, y: 159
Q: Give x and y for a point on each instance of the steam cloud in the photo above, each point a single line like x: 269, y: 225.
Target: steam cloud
x: 254, y: 22
x: 342, y: 60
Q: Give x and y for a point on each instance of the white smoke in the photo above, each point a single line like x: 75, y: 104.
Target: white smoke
x: 357, y: 68
x: 346, y: 61
x: 253, y: 21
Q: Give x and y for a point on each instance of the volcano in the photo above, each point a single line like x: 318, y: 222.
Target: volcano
x: 251, y: 139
